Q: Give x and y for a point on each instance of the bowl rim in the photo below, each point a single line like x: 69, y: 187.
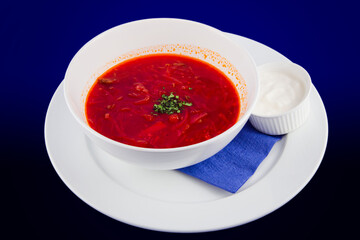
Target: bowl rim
x: 240, y: 122
x: 308, y: 85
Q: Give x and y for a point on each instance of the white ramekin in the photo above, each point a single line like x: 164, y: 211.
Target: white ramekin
x: 292, y: 119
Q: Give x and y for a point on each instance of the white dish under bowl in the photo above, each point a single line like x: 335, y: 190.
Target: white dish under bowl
x: 172, y: 201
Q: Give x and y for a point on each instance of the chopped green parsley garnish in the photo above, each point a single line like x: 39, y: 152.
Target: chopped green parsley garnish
x: 170, y: 104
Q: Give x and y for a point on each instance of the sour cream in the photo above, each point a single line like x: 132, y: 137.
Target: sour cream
x: 280, y: 91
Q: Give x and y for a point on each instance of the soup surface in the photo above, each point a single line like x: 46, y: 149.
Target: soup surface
x: 162, y: 101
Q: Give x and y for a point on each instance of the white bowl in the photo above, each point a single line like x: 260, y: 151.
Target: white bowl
x: 294, y: 117
x: 154, y: 36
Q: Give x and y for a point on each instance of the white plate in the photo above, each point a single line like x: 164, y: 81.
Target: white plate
x: 175, y: 202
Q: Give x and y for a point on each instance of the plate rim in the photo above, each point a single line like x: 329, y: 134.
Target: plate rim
x: 192, y: 206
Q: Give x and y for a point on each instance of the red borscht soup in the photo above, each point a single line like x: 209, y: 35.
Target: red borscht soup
x: 162, y: 101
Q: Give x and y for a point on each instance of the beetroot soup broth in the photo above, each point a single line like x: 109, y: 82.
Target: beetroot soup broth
x: 162, y: 101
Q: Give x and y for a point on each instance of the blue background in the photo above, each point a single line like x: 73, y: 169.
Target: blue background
x: 38, y: 40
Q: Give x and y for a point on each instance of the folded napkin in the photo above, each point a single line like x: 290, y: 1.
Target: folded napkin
x: 230, y: 168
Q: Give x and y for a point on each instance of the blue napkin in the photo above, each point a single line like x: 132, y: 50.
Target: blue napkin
x: 230, y: 168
